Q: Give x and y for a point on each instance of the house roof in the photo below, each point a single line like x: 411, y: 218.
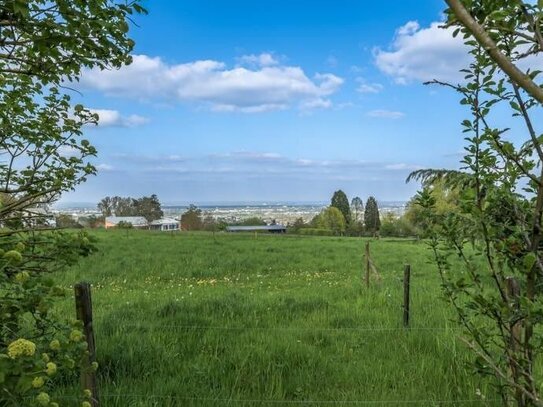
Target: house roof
x: 254, y: 228
x: 133, y: 220
x: 164, y: 221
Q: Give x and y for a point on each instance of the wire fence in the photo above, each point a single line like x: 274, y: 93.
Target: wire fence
x: 288, y: 329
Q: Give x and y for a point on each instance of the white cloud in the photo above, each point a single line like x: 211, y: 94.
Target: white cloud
x: 365, y: 87
x: 424, y: 54
x: 113, y: 118
x: 264, y: 59
x: 402, y: 167
x: 214, y: 85
x: 316, y: 104
x: 104, y: 167
x: 386, y: 114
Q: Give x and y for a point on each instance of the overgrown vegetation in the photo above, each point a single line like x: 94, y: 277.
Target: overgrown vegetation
x: 44, y: 44
x: 196, y: 320
x: 496, y: 291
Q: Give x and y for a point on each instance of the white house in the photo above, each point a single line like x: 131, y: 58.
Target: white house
x: 164, y: 224
x: 136, y: 221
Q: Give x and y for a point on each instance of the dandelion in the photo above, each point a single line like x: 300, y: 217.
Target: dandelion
x: 87, y: 393
x: 21, y: 347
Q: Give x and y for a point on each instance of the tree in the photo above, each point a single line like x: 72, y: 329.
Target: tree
x: 252, y: 221
x: 372, y: 221
x: 330, y: 218
x: 149, y: 207
x: 192, y: 219
x: 106, y: 206
x: 67, y: 222
x: 445, y: 198
x: 501, y: 198
x: 297, y: 225
x: 357, y: 209
x: 340, y: 201
x: 43, y: 44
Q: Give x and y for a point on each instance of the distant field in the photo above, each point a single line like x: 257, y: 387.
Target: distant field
x: 193, y: 320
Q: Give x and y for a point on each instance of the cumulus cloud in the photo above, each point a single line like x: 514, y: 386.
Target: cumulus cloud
x: 423, y: 54
x: 427, y: 53
x: 386, y: 114
x: 113, y: 118
x: 250, y: 90
x: 264, y: 59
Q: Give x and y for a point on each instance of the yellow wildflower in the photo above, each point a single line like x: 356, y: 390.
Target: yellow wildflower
x: 13, y: 256
x: 43, y: 399
x: 22, y: 276
x: 87, y: 393
x: 55, y: 344
x: 21, y: 347
x: 86, y: 404
x: 76, y: 335
x: 94, y: 366
x: 45, y: 357
x: 50, y: 369
x: 38, y: 382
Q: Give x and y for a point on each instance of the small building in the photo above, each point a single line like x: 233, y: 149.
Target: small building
x: 138, y: 222
x: 267, y: 228
x: 164, y: 224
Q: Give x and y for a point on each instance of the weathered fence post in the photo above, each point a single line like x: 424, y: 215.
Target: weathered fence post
x: 513, y: 293
x: 368, y: 264
x: 406, y: 283
x: 83, y: 307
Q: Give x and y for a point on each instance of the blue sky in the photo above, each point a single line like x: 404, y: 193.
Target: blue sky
x: 275, y: 101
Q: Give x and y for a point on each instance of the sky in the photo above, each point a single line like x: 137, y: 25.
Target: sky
x: 267, y: 101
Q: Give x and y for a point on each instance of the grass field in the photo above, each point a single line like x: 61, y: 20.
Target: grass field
x: 193, y: 320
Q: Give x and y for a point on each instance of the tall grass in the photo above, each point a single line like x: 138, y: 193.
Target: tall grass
x: 202, y: 320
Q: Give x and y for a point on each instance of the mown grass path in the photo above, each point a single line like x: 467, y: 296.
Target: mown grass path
x: 197, y: 320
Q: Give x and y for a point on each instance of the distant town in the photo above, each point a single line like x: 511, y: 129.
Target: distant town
x: 283, y: 213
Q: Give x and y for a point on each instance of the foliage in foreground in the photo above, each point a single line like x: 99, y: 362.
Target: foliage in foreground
x: 500, y: 195
x: 45, y: 43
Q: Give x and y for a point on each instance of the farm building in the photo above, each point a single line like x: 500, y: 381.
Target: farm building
x: 268, y: 228
x: 164, y: 224
x: 136, y: 221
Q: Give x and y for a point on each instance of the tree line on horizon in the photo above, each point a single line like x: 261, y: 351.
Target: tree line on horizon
x: 340, y: 218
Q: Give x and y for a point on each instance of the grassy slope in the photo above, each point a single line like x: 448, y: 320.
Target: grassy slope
x: 274, y: 318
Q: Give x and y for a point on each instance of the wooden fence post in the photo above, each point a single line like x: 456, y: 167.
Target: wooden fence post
x: 83, y: 307
x: 406, y: 283
x: 513, y: 293
x: 368, y: 264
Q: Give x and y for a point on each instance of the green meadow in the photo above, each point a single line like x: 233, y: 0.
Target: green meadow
x: 192, y: 319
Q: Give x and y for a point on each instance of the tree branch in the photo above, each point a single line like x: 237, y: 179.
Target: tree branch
x: 482, y: 36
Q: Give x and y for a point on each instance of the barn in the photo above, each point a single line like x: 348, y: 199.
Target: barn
x: 267, y: 228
